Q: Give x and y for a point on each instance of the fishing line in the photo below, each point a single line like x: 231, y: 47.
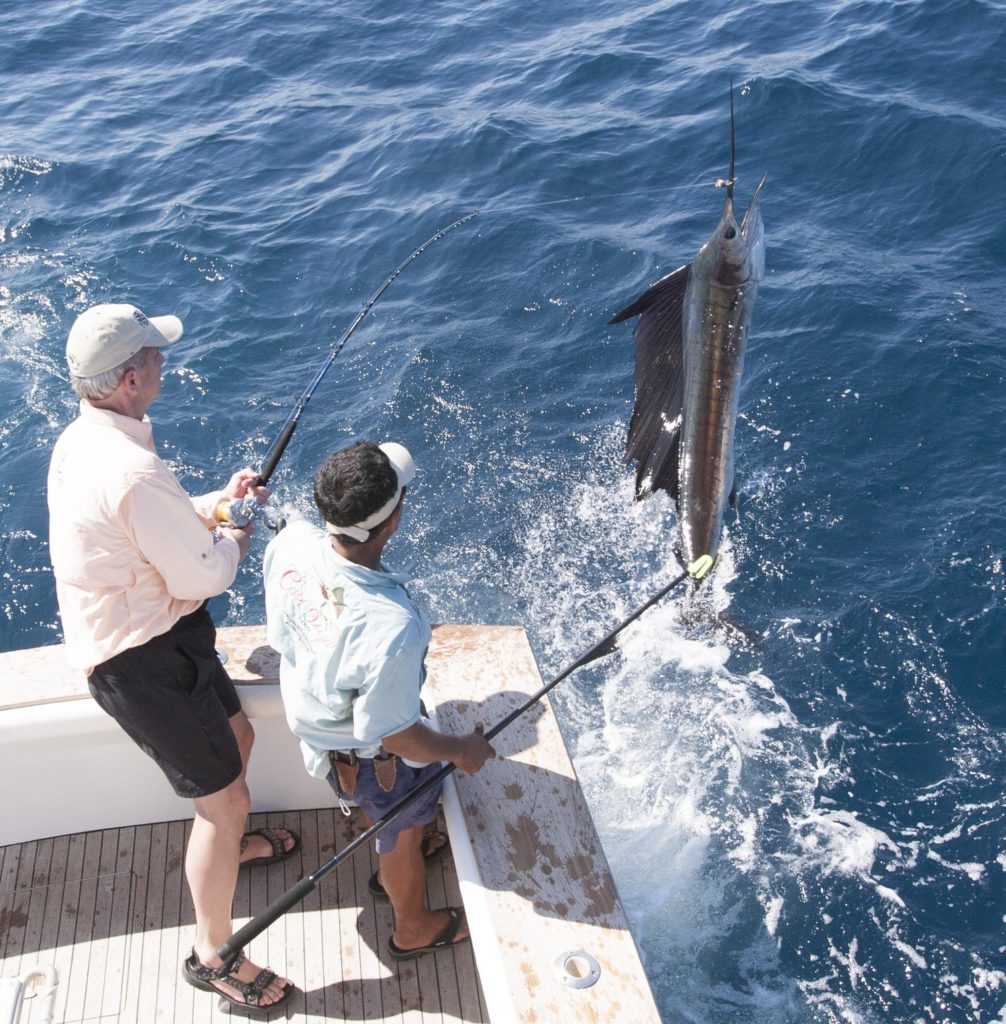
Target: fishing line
x: 489, y: 210
x: 296, y: 893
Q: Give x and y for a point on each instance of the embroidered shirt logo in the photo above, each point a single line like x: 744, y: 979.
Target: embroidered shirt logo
x: 334, y: 598
x: 312, y: 613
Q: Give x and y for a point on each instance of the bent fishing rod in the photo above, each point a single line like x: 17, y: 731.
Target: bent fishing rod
x: 238, y: 512
x: 296, y: 893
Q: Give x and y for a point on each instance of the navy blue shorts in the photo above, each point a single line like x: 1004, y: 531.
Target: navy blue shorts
x: 376, y: 802
x: 173, y: 698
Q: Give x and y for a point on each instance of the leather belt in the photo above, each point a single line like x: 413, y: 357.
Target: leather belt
x: 350, y: 757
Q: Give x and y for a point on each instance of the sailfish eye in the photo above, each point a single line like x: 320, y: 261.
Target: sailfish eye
x: 730, y: 233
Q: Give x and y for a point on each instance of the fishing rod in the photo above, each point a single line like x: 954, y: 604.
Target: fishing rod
x: 238, y: 512
x: 296, y: 893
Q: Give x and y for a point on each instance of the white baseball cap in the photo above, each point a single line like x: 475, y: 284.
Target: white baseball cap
x: 104, y: 336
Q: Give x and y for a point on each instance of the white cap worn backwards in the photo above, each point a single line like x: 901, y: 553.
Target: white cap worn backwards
x: 405, y: 469
x: 105, y: 336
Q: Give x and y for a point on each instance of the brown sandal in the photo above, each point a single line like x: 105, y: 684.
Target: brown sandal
x: 197, y: 974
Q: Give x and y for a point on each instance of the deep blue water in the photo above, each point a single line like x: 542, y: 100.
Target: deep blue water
x: 807, y: 830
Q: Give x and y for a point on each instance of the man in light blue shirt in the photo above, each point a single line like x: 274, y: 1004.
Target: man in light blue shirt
x: 352, y: 646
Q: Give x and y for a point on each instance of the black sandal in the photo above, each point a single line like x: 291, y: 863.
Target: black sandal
x: 273, y: 837
x: 430, y: 854
x: 444, y: 940
x: 198, y: 975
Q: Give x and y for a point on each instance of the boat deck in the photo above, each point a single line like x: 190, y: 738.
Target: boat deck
x: 111, y: 911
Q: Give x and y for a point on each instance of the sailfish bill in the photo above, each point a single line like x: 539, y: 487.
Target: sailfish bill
x: 689, y: 341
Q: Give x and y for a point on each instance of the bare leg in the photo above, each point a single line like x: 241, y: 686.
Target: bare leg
x: 211, y: 867
x: 403, y: 875
x: 258, y: 846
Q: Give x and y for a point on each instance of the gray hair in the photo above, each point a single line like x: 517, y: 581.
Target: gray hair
x: 101, y: 385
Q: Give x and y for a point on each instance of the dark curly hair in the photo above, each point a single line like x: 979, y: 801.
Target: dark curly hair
x: 354, y: 483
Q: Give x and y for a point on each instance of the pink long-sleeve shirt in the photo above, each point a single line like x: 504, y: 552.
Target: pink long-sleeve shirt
x: 131, y: 551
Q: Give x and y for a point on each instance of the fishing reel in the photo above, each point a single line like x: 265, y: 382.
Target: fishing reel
x: 237, y: 513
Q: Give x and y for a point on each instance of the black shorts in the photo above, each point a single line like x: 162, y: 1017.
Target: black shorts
x: 173, y: 698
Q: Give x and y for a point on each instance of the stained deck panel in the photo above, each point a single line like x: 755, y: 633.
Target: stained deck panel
x: 544, y: 889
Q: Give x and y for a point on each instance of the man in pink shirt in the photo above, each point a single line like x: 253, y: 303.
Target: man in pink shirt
x: 135, y: 560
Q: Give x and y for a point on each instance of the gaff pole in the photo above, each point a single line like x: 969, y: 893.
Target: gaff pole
x: 296, y: 893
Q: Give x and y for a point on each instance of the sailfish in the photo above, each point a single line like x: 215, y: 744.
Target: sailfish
x: 689, y: 349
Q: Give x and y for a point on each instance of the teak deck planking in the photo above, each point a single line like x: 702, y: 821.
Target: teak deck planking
x: 110, y: 910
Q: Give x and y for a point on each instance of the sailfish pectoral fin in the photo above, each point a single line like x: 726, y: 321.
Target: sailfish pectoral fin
x: 659, y: 381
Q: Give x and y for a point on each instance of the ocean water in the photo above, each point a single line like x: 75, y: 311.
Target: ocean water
x: 807, y: 827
